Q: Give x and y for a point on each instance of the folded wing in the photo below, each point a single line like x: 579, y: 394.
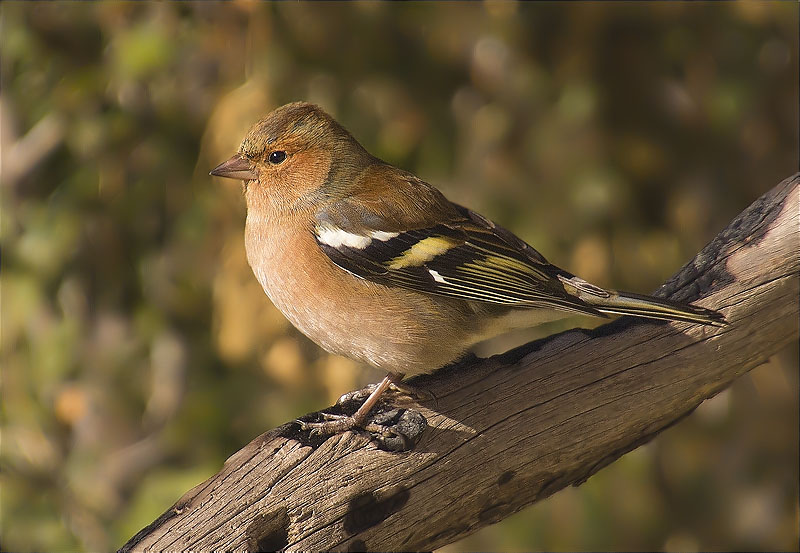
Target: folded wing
x: 467, y: 257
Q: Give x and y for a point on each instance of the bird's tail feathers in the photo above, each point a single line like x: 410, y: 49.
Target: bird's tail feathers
x: 626, y: 303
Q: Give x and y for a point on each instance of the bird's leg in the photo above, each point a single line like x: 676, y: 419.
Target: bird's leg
x: 356, y: 420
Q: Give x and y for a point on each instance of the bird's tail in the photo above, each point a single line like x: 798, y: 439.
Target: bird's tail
x: 626, y: 303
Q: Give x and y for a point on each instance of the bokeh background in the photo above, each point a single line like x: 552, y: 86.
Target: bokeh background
x: 138, y: 351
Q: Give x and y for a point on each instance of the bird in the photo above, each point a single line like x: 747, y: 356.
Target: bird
x: 373, y: 263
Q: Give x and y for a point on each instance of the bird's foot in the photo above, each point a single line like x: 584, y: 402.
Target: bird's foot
x: 333, y: 424
x: 336, y: 424
x: 393, y: 430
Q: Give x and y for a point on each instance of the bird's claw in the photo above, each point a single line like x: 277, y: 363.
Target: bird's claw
x: 394, y: 430
x: 333, y: 424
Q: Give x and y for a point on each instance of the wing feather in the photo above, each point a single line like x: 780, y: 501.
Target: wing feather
x: 467, y: 257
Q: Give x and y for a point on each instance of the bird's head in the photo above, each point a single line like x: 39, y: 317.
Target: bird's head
x: 295, y: 152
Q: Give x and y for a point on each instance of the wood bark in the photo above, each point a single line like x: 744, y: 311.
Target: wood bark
x: 510, y: 430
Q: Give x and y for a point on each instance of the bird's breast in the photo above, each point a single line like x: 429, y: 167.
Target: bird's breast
x: 392, y: 328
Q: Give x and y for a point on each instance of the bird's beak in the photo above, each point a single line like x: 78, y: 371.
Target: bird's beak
x: 237, y: 167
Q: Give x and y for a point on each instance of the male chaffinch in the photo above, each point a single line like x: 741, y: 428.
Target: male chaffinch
x: 373, y: 263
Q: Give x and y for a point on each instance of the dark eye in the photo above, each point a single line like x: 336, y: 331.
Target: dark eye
x: 277, y: 157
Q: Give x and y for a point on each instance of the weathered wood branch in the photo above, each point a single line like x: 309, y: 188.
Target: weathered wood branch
x: 510, y: 430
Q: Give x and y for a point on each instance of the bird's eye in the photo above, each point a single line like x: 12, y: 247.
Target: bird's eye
x: 277, y: 157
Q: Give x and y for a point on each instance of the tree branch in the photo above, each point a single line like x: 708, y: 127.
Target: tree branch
x: 510, y: 430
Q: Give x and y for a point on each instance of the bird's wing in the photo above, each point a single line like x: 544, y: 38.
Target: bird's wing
x: 466, y: 256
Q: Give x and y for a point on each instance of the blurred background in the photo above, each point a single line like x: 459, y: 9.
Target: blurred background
x: 138, y: 350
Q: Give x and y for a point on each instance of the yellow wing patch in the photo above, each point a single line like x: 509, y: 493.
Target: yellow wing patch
x: 507, y: 264
x: 423, y: 251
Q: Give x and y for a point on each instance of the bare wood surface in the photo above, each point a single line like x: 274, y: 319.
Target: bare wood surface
x: 510, y: 430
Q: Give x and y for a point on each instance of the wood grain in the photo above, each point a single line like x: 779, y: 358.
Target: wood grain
x: 510, y: 430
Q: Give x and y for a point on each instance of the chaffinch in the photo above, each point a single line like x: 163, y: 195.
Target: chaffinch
x: 375, y: 264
